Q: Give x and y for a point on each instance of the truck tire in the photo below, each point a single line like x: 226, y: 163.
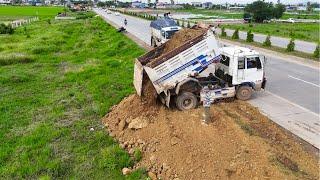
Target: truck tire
x: 244, y: 93
x: 186, y: 101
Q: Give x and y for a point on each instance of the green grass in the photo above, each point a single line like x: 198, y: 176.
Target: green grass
x: 56, y: 82
x: 302, y: 31
x: 239, y: 14
x: 211, y: 12
x: 10, y: 13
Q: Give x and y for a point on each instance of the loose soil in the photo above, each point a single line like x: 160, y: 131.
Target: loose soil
x: 181, y: 37
x: 239, y: 143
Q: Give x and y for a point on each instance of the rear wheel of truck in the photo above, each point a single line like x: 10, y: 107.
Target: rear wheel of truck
x: 186, y: 101
x: 244, y: 93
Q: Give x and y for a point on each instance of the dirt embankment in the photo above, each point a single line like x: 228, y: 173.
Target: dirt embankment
x: 240, y: 143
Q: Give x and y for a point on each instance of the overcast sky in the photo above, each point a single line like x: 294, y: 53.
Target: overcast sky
x: 230, y: 1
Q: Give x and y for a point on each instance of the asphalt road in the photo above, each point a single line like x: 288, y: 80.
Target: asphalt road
x: 291, y: 98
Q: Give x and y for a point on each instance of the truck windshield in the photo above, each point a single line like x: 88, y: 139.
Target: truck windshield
x: 169, y: 34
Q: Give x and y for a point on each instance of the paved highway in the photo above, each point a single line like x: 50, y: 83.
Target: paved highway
x: 292, y: 95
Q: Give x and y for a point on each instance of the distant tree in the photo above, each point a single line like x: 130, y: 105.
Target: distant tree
x: 316, y: 52
x: 278, y: 10
x: 249, y: 36
x: 178, y: 22
x: 309, y: 7
x: 235, y: 34
x: 188, y: 25
x: 259, y: 10
x: 188, y: 6
x: 267, y: 42
x: 291, y: 45
x: 182, y: 25
x: 101, y: 4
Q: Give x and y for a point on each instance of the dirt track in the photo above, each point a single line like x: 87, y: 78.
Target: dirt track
x: 240, y: 143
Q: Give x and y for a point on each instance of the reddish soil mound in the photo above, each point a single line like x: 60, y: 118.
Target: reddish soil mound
x: 182, y: 37
x: 240, y: 143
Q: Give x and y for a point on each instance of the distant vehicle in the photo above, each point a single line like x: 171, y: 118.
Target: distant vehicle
x: 162, y: 30
x: 108, y: 12
x: 117, y: 13
x: 291, y: 20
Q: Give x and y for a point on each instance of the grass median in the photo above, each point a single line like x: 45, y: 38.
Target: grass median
x: 58, y: 80
x: 301, y: 31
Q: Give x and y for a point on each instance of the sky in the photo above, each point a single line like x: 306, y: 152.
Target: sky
x: 230, y: 1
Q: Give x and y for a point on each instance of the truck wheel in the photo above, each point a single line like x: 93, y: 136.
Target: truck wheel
x: 244, y: 93
x: 186, y: 101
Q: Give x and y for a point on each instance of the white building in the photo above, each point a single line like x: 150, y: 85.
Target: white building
x: 5, y: 1
x: 196, y: 4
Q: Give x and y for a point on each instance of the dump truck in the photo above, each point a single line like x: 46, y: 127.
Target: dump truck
x: 179, y: 76
x: 162, y: 30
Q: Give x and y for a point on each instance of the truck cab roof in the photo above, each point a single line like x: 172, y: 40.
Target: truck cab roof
x: 162, y: 23
x: 237, y: 50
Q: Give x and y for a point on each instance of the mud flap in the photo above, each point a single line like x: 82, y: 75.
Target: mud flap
x: 138, y: 77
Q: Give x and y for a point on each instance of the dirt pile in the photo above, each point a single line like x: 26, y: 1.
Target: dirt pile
x: 181, y: 37
x: 239, y: 144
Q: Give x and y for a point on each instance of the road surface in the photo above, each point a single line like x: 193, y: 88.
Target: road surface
x: 292, y: 95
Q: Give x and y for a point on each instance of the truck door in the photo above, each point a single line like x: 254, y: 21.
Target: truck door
x: 253, y: 70
x: 241, y: 69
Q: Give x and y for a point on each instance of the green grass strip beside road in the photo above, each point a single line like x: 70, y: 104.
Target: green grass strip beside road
x: 303, y: 31
x: 58, y: 80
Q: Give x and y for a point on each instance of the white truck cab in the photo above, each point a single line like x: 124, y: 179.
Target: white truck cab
x: 240, y: 66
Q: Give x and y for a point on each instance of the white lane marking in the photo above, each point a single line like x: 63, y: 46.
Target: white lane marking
x: 304, y: 81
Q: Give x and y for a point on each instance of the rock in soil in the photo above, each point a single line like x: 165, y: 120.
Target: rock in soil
x: 138, y: 123
x: 152, y: 175
x: 126, y: 171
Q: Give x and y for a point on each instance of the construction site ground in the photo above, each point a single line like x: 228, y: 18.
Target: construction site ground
x: 239, y: 143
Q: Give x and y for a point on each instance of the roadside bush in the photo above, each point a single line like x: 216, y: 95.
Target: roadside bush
x: 223, y: 32
x: 316, y: 52
x: 249, y: 36
x: 235, y: 34
x: 6, y: 29
x: 291, y: 46
x: 267, y: 42
x: 250, y: 25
